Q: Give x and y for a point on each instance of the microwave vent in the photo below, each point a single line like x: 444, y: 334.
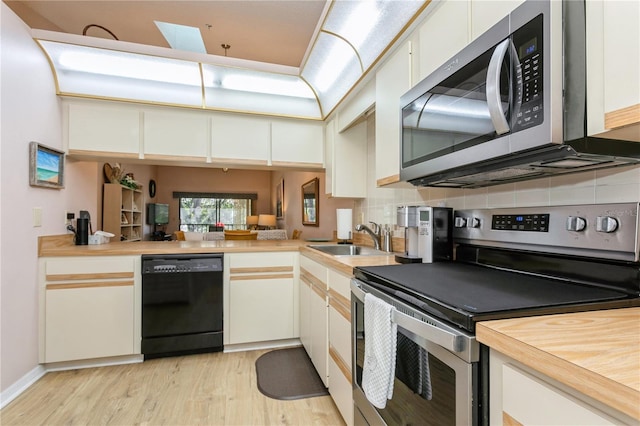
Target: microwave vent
x: 498, y: 175
x: 573, y: 163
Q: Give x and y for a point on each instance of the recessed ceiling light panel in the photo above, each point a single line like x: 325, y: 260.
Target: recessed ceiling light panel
x: 182, y: 37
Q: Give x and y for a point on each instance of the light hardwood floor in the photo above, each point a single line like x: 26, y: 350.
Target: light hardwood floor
x: 207, y: 389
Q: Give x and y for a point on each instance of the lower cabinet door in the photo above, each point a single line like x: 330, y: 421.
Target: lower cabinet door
x: 261, y: 310
x: 85, y: 323
x: 319, y: 334
x: 341, y: 391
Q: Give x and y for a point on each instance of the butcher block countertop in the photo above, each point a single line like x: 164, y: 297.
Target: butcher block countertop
x: 597, y: 353
x: 62, y: 245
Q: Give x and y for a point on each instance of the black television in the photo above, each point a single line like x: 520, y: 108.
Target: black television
x: 157, y: 214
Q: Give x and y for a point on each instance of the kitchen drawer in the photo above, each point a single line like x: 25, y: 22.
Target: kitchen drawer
x: 70, y: 268
x: 267, y: 261
x: 314, y: 268
x: 552, y: 406
x: 340, y: 283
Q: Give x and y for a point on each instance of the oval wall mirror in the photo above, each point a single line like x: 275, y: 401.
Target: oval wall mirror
x: 310, y: 203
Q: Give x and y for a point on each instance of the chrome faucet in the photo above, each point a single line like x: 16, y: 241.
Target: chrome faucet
x: 374, y: 234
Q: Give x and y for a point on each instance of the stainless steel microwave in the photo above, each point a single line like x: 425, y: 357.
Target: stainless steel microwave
x: 510, y: 106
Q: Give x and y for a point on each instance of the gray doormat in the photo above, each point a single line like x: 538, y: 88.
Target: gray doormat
x: 288, y: 374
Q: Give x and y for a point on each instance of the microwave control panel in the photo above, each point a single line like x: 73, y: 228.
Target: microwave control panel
x: 528, y: 43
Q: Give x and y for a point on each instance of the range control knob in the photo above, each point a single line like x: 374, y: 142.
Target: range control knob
x: 576, y: 223
x: 459, y: 222
x: 606, y: 224
x: 473, y: 222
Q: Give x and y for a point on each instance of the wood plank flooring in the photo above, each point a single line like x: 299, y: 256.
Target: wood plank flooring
x: 206, y: 389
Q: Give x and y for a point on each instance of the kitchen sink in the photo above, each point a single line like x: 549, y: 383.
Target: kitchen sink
x: 349, y: 250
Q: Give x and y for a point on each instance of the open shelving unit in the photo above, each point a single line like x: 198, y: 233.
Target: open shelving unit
x: 122, y: 209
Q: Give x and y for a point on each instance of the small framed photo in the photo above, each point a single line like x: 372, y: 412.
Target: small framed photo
x: 46, y: 166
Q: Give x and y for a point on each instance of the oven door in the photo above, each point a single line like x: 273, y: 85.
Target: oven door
x: 447, y: 392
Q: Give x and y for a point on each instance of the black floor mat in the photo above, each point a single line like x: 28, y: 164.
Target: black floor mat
x: 288, y: 374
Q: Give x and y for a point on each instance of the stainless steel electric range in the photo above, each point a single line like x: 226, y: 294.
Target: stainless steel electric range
x: 508, y: 263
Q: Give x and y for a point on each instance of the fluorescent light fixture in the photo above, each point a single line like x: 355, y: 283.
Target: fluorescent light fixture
x: 255, y: 81
x: 126, y: 65
x: 182, y: 37
x: 358, y: 23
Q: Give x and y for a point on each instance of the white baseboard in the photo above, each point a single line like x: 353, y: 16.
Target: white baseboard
x: 95, y: 362
x: 273, y: 344
x: 13, y: 391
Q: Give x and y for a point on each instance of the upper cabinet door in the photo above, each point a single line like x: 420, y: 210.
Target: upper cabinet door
x: 103, y: 129
x: 170, y: 134
x: 621, y: 64
x: 297, y: 142
x: 240, y: 139
x: 444, y: 33
x: 392, y: 81
x: 486, y: 13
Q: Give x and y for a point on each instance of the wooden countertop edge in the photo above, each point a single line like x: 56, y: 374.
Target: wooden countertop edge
x: 62, y: 246
x: 587, y: 382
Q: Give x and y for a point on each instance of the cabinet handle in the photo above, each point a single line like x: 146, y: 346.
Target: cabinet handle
x: 89, y: 285
x: 92, y: 275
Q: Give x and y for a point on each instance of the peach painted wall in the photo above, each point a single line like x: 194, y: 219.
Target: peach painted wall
x: 293, y: 205
x: 200, y: 179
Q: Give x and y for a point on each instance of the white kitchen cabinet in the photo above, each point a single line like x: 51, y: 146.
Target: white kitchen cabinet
x: 329, y: 342
x: 340, y: 354
x: 522, y: 396
x: 90, y: 307
x: 356, y: 108
x: 102, y: 129
x: 297, y: 143
x: 329, y: 137
x: 240, y: 139
x: 305, y: 314
x: 621, y: 40
x: 393, y: 79
x: 486, y: 13
x: 261, y: 297
x: 170, y: 135
x: 346, y: 170
x: 314, y: 276
x: 450, y: 18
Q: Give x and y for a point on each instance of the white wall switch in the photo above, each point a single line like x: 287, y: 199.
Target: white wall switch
x: 37, y: 216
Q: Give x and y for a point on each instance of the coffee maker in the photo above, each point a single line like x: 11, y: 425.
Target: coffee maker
x: 406, y: 217
x: 428, y: 233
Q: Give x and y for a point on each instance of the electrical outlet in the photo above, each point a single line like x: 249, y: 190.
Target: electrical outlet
x: 68, y: 218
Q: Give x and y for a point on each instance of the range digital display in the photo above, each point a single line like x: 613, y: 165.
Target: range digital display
x: 518, y: 222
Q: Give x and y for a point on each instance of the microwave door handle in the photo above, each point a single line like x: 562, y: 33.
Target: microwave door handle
x: 494, y: 101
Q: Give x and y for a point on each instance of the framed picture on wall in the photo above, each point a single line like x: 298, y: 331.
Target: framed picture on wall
x: 280, y: 200
x: 46, y: 166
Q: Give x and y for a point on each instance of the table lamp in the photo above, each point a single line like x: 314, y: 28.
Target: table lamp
x: 267, y: 221
x: 252, y: 222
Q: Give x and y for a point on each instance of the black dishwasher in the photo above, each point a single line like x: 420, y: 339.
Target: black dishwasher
x: 181, y: 304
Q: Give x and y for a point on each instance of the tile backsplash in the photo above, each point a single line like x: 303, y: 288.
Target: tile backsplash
x: 621, y: 184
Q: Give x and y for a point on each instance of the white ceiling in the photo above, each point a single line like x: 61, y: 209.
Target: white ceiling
x: 269, y: 31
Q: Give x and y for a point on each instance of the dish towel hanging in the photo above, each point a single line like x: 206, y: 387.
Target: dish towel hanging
x: 378, y: 371
x: 411, y: 359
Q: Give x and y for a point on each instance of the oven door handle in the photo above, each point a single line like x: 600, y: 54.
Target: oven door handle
x: 448, y: 339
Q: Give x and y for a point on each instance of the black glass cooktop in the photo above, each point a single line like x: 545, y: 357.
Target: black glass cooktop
x: 466, y: 293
